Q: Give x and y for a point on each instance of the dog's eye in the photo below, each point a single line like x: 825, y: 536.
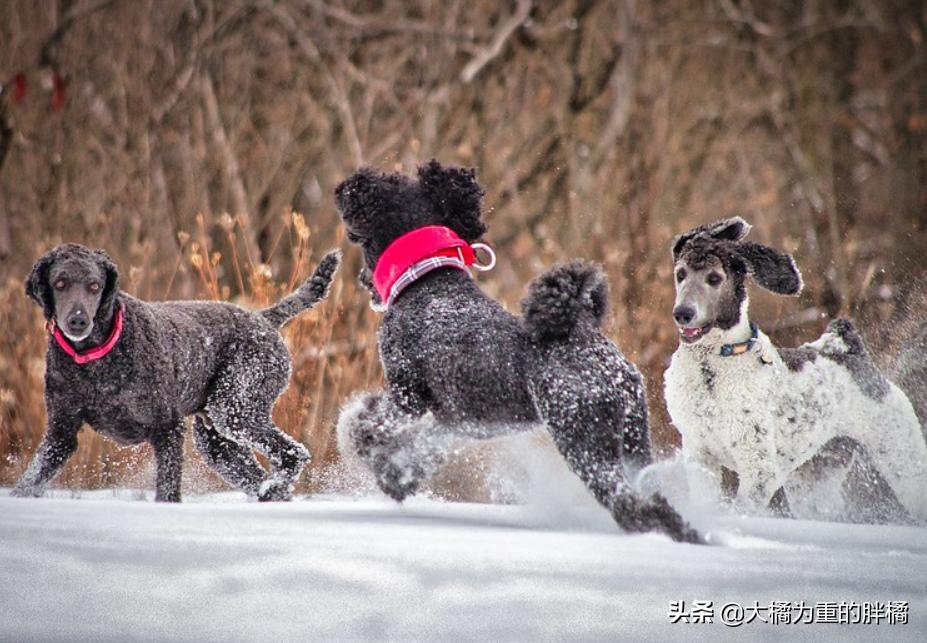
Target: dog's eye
x: 94, y: 287
x: 680, y: 275
x: 714, y: 279
x: 61, y: 284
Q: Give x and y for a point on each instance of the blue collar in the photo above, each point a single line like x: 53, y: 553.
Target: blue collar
x: 729, y: 350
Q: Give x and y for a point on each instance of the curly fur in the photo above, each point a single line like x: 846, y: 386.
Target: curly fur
x: 575, y: 293
x: 458, y: 364
x: 767, y: 413
x: 219, y: 362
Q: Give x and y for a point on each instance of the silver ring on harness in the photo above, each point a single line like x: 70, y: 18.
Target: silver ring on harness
x: 483, y: 267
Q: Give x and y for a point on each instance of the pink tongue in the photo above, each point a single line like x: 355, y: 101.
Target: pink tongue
x: 691, y: 332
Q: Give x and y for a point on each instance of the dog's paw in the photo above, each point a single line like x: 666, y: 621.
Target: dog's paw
x: 371, y: 437
x: 656, y: 514
x: 275, y: 490
x: 26, y: 491
x: 397, y: 480
x: 667, y: 519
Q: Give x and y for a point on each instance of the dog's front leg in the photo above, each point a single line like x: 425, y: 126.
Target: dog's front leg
x: 57, y: 446
x: 754, y: 457
x: 168, y: 448
x: 757, y: 485
x: 391, y: 441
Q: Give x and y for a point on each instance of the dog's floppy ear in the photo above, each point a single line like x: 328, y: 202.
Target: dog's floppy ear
x: 365, y: 279
x: 360, y: 201
x: 37, y: 287
x: 456, y: 195
x: 773, y: 270
x: 111, y: 287
x: 732, y: 229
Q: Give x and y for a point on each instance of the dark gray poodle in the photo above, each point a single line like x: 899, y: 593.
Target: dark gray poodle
x: 133, y: 370
x: 457, y: 364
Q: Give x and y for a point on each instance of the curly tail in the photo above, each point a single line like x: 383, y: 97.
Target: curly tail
x: 313, y: 290
x: 563, y: 298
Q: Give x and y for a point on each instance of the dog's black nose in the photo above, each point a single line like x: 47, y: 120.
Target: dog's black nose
x: 77, y: 322
x: 683, y: 315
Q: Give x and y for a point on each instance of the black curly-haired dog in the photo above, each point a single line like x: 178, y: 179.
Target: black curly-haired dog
x: 458, y: 364
x: 133, y: 370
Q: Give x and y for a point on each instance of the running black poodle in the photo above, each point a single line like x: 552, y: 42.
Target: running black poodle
x: 134, y: 370
x: 457, y: 364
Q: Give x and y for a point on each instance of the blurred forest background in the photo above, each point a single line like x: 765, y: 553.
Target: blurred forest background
x: 199, y: 141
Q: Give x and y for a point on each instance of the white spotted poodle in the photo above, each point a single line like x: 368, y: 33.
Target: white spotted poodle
x: 768, y: 414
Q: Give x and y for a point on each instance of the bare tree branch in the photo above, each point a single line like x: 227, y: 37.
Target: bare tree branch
x: 378, y: 24
x: 622, y: 84
x: 230, y: 160
x: 339, y: 96
x: 486, y: 56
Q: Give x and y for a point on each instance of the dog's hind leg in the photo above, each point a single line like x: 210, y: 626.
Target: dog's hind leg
x: 587, y: 429
x: 868, y: 496
x: 251, y: 424
x: 168, y: 448
x: 233, y: 461
x: 239, y: 406
x: 393, y: 443
x: 898, y: 456
x: 870, y: 499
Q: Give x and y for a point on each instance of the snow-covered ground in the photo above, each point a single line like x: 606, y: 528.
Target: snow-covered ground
x: 116, y: 566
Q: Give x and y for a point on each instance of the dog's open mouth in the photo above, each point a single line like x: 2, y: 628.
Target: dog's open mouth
x: 690, y: 334
x: 76, y: 338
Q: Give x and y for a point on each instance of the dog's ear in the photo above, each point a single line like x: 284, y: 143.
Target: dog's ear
x: 456, y: 196
x: 365, y: 279
x: 37, y: 287
x: 732, y: 229
x: 111, y: 288
x: 773, y: 270
x: 360, y: 201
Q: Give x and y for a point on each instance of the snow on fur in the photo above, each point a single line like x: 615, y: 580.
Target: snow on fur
x: 458, y: 364
x: 219, y: 362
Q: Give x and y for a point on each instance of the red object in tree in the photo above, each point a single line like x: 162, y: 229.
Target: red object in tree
x: 59, y: 92
x: 19, y: 88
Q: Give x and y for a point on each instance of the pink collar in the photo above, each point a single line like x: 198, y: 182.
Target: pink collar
x: 428, y: 242
x: 91, y: 354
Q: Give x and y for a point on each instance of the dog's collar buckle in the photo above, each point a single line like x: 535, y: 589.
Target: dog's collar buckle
x: 420, y: 251
x: 739, y: 348
x: 96, y: 352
